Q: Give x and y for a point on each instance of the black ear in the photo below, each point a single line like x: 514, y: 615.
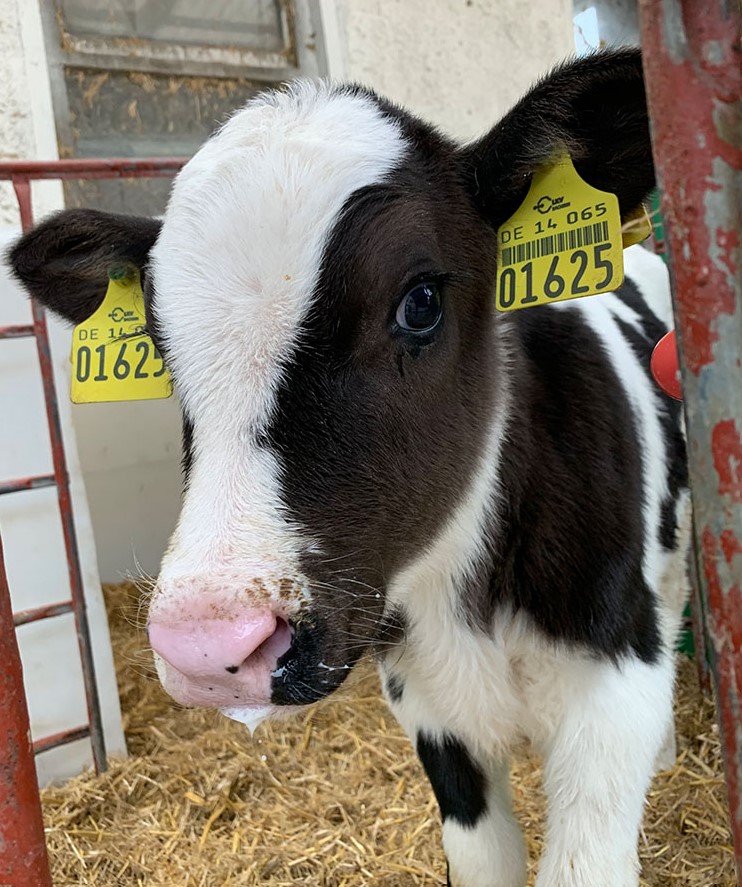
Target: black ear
x: 64, y: 261
x: 596, y: 109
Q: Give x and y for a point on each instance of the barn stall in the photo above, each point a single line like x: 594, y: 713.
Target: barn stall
x: 336, y: 798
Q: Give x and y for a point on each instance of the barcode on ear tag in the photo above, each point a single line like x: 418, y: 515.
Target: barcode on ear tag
x: 113, y: 358
x: 562, y: 243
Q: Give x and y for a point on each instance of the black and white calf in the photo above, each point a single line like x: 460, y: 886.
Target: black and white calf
x: 495, y: 506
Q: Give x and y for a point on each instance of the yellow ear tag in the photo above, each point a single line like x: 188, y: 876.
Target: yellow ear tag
x: 637, y: 227
x: 563, y: 242
x: 113, y: 358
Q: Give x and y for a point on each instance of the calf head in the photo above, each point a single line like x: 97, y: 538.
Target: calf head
x: 321, y: 286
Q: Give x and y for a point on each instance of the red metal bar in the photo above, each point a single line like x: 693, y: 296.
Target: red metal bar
x: 92, y: 168
x: 23, y: 859
x: 16, y: 331
x: 97, y: 740
x: 693, y: 66
x: 35, y: 614
x: 63, y: 738
x: 35, y: 482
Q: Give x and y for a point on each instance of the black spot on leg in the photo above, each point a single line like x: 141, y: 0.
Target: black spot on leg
x: 232, y: 669
x: 458, y: 781
x: 395, y: 687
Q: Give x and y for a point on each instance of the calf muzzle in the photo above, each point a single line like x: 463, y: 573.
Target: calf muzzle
x: 220, y: 662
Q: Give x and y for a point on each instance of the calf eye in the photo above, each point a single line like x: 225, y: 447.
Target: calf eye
x: 420, y: 309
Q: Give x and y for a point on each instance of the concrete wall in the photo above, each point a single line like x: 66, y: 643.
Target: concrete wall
x: 31, y: 527
x: 617, y: 21
x: 458, y: 63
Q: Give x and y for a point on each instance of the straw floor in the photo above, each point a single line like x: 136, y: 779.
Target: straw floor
x: 335, y: 799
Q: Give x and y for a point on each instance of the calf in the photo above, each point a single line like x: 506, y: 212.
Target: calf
x: 494, y: 506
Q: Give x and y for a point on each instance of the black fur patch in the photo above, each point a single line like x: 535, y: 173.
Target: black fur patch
x: 395, y: 687
x: 458, y: 782
x: 377, y: 432
x: 187, y: 456
x: 569, y: 543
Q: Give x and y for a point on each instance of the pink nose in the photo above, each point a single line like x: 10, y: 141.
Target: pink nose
x: 221, y: 662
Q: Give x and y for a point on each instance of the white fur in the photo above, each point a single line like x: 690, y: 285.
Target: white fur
x: 598, y: 767
x: 234, y: 270
x: 650, y: 276
x: 493, y: 851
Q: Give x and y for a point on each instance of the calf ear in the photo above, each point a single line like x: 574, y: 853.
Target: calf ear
x: 595, y: 108
x: 64, y: 261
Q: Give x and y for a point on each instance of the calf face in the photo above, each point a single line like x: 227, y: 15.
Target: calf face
x: 322, y: 289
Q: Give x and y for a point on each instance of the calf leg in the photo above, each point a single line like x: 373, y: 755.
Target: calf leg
x: 483, y: 842
x: 598, y: 767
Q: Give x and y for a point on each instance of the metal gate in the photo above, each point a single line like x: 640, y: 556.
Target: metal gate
x: 23, y: 861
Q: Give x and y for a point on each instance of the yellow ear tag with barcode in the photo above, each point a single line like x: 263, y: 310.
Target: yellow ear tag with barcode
x: 113, y: 359
x: 563, y: 242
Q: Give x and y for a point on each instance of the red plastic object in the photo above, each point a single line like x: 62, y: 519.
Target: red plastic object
x: 665, y: 366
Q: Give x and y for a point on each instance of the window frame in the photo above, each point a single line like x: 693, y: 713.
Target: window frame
x: 302, y: 53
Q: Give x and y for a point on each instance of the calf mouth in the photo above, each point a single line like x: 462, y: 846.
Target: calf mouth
x: 311, y: 669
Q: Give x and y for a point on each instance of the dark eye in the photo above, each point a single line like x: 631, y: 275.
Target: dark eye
x: 420, y: 309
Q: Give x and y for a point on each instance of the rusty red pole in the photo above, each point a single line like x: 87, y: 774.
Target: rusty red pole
x: 693, y: 67
x: 23, y: 859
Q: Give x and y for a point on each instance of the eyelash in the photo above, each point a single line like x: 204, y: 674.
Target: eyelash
x: 440, y: 278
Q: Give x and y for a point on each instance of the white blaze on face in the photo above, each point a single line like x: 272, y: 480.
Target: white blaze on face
x: 234, y: 270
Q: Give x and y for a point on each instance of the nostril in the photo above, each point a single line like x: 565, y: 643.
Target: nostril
x: 272, y: 647
x: 279, y: 643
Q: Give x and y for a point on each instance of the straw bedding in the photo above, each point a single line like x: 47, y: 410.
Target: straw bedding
x: 336, y: 798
